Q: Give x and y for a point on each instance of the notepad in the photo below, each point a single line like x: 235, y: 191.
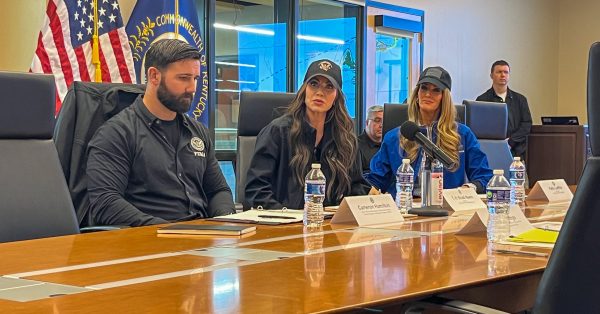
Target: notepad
x: 206, y: 229
x: 535, y: 235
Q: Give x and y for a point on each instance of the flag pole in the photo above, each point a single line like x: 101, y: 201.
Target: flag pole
x: 95, y: 49
x: 176, y: 19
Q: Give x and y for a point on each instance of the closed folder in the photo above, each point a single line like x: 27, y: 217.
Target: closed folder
x: 535, y: 235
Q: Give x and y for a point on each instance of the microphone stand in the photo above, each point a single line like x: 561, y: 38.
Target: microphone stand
x: 425, y: 176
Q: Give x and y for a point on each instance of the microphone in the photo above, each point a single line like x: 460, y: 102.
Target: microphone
x: 412, y: 132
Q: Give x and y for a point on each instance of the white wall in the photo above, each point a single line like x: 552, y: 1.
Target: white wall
x: 467, y: 36
x: 579, y: 28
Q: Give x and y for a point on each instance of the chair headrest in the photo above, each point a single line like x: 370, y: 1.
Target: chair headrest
x: 27, y: 105
x: 257, y: 109
x: 394, y: 115
x: 593, y: 98
x: 488, y: 120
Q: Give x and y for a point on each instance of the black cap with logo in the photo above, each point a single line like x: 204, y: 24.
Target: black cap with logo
x: 326, y: 68
x: 436, y: 76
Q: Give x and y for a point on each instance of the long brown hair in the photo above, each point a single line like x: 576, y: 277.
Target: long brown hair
x: 340, y: 154
x: 448, y: 138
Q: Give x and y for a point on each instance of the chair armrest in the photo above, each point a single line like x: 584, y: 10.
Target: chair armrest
x: 434, y: 304
x: 101, y: 228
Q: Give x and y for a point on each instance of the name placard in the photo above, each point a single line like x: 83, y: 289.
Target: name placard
x: 367, y: 210
x: 551, y: 191
x: 462, y: 199
x: 479, y: 221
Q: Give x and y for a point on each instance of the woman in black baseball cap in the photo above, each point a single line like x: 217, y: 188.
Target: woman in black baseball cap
x: 430, y: 106
x: 316, y: 129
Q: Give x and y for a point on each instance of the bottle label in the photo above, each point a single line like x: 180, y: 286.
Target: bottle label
x: 517, y: 174
x: 498, y: 195
x: 437, y: 188
x: 314, y: 189
x: 405, y: 178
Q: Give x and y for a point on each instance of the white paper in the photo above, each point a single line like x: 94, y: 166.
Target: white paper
x: 551, y: 191
x: 548, y: 225
x: 462, y: 199
x: 478, y: 222
x: 265, y: 216
x: 367, y: 210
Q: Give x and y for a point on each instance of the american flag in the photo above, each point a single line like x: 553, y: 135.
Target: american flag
x: 65, y: 44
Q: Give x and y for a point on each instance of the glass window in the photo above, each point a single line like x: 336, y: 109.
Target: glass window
x: 250, y: 50
x: 392, y: 66
x: 229, y: 174
x: 327, y: 30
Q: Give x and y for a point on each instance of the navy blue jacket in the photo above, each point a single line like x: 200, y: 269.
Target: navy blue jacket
x: 270, y: 183
x: 473, y: 162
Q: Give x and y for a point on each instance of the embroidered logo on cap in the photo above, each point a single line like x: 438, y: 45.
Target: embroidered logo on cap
x: 198, y: 145
x: 434, y: 72
x: 325, y: 66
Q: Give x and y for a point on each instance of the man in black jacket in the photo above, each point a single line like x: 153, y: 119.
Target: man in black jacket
x: 151, y: 163
x: 519, y: 117
x: 369, y: 141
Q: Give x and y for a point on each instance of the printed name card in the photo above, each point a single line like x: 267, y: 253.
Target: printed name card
x: 478, y: 222
x: 551, y: 191
x: 462, y: 199
x: 367, y: 210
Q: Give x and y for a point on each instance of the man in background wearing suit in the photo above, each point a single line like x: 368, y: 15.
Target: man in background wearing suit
x: 519, y: 117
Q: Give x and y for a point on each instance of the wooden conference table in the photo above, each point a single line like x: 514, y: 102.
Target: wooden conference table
x: 277, y: 269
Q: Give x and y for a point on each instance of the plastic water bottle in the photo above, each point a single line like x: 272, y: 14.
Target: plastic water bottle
x: 517, y: 181
x: 437, y: 183
x: 314, y: 195
x: 498, y: 202
x: 404, y: 186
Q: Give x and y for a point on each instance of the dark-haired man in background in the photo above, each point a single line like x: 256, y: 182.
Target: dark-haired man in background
x: 519, y: 117
x: 151, y: 163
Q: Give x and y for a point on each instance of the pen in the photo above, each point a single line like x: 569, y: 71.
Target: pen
x: 521, y: 252
x: 275, y: 217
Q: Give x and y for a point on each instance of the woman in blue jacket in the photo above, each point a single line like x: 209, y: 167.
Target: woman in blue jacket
x: 430, y: 106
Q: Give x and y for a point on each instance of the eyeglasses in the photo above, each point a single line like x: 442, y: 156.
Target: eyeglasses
x: 327, y: 88
x: 433, y: 91
x: 377, y: 121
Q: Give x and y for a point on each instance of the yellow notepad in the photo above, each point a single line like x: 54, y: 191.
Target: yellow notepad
x: 535, y: 235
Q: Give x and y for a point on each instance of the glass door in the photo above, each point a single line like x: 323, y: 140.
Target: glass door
x: 394, y: 53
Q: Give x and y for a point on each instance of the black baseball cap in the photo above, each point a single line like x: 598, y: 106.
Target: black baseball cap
x: 436, y: 76
x: 326, y: 68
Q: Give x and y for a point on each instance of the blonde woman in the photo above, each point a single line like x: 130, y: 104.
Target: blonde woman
x: 430, y: 106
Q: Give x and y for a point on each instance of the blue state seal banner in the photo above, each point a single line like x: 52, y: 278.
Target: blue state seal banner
x: 152, y: 20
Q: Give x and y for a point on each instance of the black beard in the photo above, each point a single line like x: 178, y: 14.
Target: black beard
x: 179, y: 104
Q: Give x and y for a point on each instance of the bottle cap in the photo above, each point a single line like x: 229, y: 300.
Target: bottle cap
x: 498, y: 172
x: 517, y: 158
x: 406, y: 161
x: 316, y: 166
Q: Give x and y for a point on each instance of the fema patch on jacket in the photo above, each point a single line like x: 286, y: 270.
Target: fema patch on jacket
x: 197, y: 145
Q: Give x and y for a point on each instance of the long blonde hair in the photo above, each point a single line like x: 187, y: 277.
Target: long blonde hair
x: 339, y: 155
x: 448, y: 138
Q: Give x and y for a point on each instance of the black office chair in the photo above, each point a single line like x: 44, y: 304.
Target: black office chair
x: 257, y: 109
x: 86, y: 106
x: 396, y: 114
x: 35, y: 201
x: 569, y: 283
x: 489, y: 120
